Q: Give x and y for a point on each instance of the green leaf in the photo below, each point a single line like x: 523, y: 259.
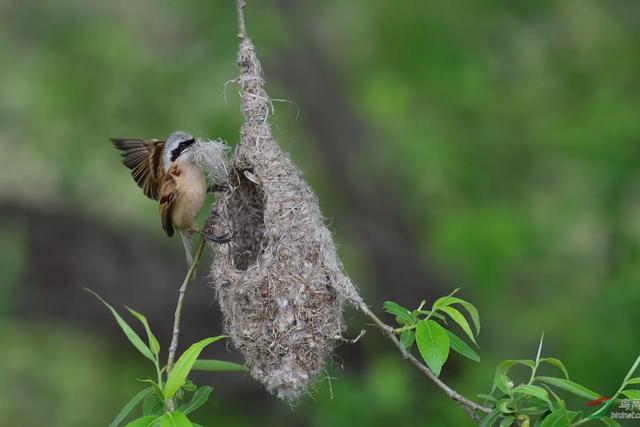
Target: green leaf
x: 559, y: 401
x: 570, y: 386
x: 557, y: 363
x: 535, y: 391
x: 189, y: 385
x: 501, y: 379
x: 130, y: 333
x: 199, y: 398
x: 558, y: 418
x: 487, y: 397
x: 399, y: 311
x: 491, y: 419
x: 609, y: 422
x: 406, y: 338
x: 461, y: 347
x: 175, y: 419
x: 135, y: 400
x: 632, y: 370
x: 632, y: 394
x: 183, y: 366
x: 147, y: 421
x: 433, y: 343
x: 430, y: 313
x: 505, y: 406
x: 457, y: 317
x: 507, y: 421
x: 449, y: 300
x: 153, y: 405
x: 154, y: 345
x: 635, y: 380
x: 213, y: 365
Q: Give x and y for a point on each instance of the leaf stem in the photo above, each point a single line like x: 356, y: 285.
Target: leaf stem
x: 176, y: 320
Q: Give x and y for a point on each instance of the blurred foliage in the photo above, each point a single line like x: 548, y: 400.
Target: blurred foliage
x: 510, y: 131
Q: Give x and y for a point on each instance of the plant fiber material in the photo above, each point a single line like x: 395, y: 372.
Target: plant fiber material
x: 279, y: 282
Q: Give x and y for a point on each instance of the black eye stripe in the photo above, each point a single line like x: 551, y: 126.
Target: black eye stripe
x: 175, y: 153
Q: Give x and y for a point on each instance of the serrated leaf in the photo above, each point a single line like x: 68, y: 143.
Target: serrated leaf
x: 535, y: 391
x: 558, y: 418
x: 154, y: 345
x: 570, y: 386
x: 406, y: 338
x: 449, y: 300
x: 500, y: 378
x: 632, y: 394
x: 212, y: 365
x: 433, y: 343
x: 399, y: 311
x: 175, y: 419
x: 557, y: 363
x: 147, y: 421
x: 198, y: 399
x: 130, y: 333
x: 457, y: 317
x: 184, y: 364
x: 461, y: 347
x: 135, y: 400
x: 491, y: 419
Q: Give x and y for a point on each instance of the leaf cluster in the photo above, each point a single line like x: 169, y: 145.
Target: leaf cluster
x: 430, y: 329
x: 166, y: 387
x: 537, y: 402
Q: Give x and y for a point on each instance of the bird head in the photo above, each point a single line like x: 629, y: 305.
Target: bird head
x: 177, y: 146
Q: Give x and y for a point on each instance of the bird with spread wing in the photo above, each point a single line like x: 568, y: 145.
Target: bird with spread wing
x: 166, y: 171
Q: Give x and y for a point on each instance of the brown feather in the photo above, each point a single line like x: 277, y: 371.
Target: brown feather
x: 168, y: 195
x: 144, y: 158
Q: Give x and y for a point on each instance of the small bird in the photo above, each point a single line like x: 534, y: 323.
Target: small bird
x: 166, y: 172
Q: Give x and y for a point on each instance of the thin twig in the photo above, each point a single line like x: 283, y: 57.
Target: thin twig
x: 176, y: 320
x: 470, y: 406
x: 242, y: 31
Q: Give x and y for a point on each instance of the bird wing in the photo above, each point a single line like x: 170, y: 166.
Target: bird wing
x: 169, y: 193
x: 144, y: 158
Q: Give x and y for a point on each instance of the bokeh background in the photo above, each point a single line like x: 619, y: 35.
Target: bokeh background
x: 492, y: 146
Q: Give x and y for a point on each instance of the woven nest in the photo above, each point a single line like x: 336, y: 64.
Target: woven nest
x: 279, y: 282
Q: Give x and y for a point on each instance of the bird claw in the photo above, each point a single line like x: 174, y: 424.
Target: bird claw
x: 225, y: 238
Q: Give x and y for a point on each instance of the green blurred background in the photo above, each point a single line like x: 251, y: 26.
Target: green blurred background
x: 489, y: 145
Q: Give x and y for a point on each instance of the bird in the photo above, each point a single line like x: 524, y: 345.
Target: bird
x: 166, y: 171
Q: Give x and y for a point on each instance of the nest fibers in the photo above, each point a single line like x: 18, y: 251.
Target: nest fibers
x: 279, y: 282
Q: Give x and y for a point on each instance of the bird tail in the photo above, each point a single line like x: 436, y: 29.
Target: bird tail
x: 186, y: 242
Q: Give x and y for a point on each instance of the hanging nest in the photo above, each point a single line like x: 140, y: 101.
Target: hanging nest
x: 279, y: 282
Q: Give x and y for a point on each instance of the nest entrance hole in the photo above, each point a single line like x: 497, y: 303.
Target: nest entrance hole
x: 247, y: 225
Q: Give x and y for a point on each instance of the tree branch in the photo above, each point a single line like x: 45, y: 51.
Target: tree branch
x: 468, y: 405
x: 176, y: 320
